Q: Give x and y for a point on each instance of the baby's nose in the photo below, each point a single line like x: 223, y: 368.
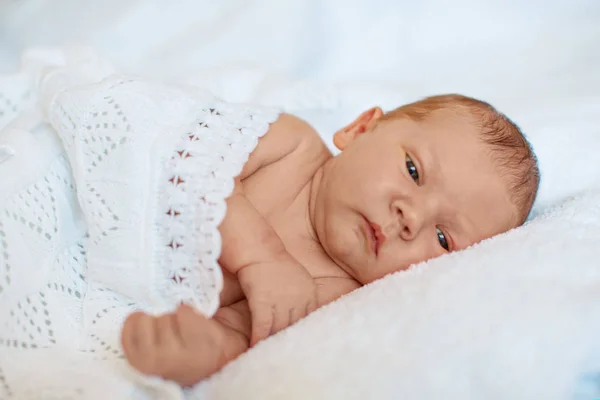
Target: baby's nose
x: 398, y: 229
x: 406, y: 225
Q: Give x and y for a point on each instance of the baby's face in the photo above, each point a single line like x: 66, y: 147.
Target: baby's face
x: 404, y: 192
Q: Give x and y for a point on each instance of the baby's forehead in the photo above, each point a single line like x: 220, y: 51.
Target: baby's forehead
x: 453, y: 146
x: 450, y: 129
x: 449, y: 118
x: 452, y: 132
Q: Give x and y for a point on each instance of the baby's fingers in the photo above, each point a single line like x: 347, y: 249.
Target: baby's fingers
x: 300, y: 312
x: 283, y: 318
x: 262, y: 324
x: 311, y: 306
x: 297, y: 314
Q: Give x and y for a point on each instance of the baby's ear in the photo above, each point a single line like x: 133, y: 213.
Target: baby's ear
x: 362, y: 124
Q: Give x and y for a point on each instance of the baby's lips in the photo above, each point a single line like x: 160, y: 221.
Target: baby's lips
x: 379, y: 235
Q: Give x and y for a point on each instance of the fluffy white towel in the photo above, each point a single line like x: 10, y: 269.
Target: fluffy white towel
x: 515, y: 317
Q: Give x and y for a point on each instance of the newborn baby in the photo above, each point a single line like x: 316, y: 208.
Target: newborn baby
x: 304, y: 227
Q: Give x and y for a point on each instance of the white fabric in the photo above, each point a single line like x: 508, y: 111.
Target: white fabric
x: 516, y: 317
x: 328, y: 60
x: 112, y: 207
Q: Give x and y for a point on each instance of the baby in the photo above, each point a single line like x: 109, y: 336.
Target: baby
x: 304, y: 227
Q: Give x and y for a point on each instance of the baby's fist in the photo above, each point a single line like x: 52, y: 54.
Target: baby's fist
x: 182, y: 346
x: 279, y: 294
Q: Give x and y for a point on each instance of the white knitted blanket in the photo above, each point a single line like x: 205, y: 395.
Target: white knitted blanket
x: 112, y: 191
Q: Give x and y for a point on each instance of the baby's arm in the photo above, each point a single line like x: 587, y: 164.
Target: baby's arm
x: 184, y: 346
x: 279, y: 290
x: 251, y: 250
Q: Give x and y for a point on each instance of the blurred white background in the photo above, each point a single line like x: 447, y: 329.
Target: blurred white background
x: 538, y: 61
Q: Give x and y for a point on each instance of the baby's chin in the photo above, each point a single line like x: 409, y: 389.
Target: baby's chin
x: 355, y: 263
x: 343, y: 250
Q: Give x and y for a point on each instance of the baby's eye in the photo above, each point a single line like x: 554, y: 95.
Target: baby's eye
x: 442, y: 239
x: 412, y: 169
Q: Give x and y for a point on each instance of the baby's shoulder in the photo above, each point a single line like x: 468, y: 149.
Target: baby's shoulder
x: 293, y: 131
x: 289, y: 141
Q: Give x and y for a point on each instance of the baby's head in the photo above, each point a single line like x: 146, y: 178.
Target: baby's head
x: 430, y: 177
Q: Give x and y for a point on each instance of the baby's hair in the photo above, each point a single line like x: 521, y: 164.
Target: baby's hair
x: 510, y: 149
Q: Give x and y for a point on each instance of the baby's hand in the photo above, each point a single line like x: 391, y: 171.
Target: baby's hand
x: 279, y: 293
x: 182, y: 346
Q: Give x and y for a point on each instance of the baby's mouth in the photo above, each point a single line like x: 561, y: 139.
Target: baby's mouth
x: 374, y: 235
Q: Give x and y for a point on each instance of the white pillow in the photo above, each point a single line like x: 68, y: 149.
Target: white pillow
x: 515, y: 317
